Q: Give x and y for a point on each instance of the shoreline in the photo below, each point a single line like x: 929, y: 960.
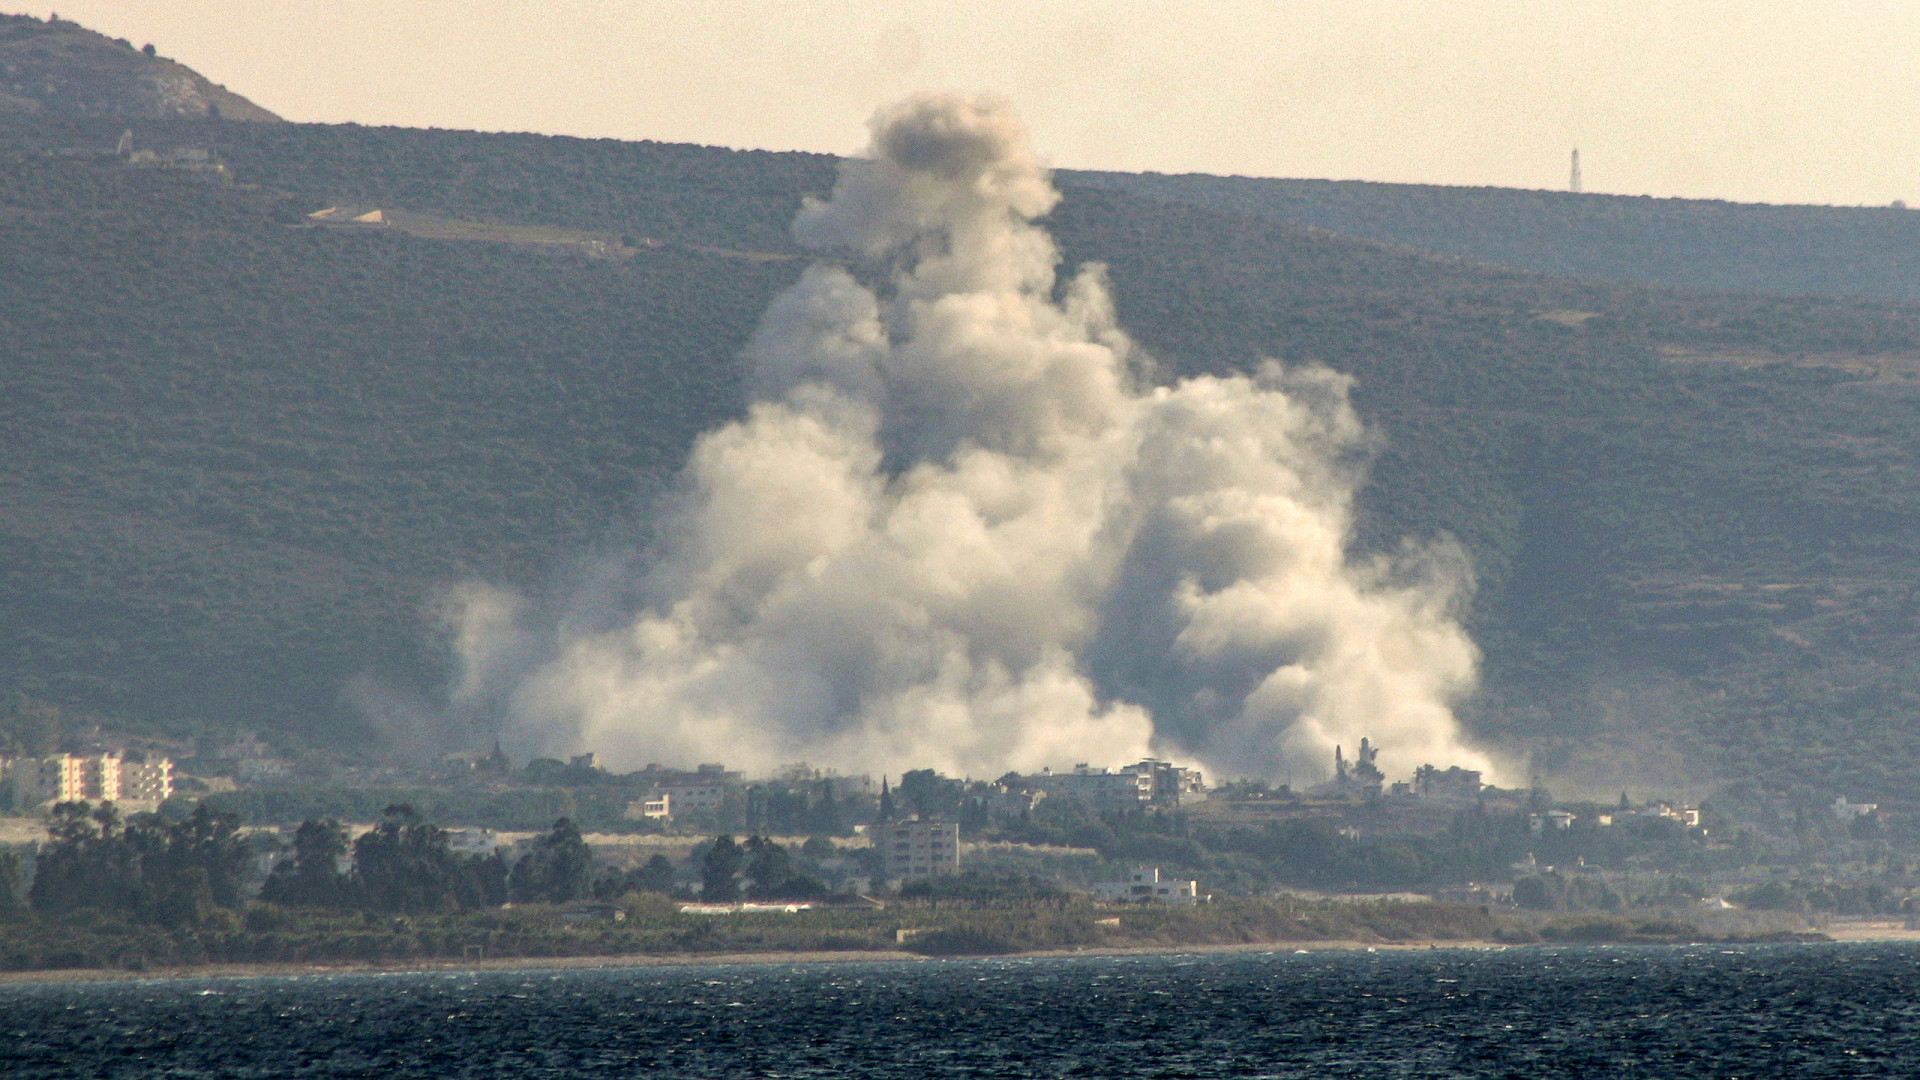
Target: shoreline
x: 1847, y: 933
x: 668, y: 960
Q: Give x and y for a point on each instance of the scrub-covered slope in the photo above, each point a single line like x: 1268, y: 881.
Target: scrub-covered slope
x: 248, y: 449
x: 59, y: 68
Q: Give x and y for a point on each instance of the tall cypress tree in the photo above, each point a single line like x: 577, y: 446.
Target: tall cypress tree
x: 717, y: 870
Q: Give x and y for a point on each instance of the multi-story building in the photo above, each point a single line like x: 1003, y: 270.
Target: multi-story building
x: 702, y: 790
x: 918, y: 850
x: 97, y: 778
x: 1098, y: 785
x: 149, y: 781
x: 694, y: 796
x: 1172, y: 785
x: 71, y: 778
x: 1150, y: 781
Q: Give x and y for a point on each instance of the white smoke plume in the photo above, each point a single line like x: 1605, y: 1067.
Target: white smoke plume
x: 953, y: 532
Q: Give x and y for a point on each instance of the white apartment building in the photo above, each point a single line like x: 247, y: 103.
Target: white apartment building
x: 1128, y: 787
x: 918, y: 850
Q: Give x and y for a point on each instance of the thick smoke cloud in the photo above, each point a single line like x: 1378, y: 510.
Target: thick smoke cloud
x: 953, y: 532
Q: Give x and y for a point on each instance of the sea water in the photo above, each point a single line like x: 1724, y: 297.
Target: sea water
x: 1794, y: 1011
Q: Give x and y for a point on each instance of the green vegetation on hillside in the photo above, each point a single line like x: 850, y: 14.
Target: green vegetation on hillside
x: 1685, y: 243
x: 246, y: 453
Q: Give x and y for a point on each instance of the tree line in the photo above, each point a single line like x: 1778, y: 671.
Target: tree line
x: 177, y: 873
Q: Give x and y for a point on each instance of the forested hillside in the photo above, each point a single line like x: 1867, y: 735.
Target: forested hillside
x: 246, y: 451
x: 1686, y: 243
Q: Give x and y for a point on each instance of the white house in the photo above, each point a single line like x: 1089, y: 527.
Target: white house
x: 1847, y: 811
x: 1144, y: 885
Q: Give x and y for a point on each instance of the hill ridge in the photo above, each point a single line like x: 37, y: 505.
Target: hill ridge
x: 54, y: 67
x: 187, y: 351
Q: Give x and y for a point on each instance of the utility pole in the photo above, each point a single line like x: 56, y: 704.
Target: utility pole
x: 1573, y: 182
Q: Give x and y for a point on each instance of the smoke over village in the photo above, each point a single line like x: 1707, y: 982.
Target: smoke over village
x: 961, y: 527
x: 577, y: 486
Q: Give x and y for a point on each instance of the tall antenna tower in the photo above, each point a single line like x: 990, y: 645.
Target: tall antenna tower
x: 1573, y: 182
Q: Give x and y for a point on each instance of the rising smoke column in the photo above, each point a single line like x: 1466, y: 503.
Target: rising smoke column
x: 952, y: 532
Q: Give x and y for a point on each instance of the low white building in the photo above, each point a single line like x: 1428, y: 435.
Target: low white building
x: 652, y: 808
x: 1848, y: 811
x: 482, y: 842
x: 1145, y: 886
x: 1555, y: 820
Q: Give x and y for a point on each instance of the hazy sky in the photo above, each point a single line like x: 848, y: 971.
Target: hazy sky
x: 1761, y: 100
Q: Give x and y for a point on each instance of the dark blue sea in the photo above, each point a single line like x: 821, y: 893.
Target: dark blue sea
x: 1794, y: 1011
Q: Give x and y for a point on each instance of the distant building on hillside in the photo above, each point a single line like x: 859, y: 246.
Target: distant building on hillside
x: 1848, y: 811
x: 652, y: 808
x: 149, y: 781
x: 482, y: 842
x: 1099, y: 787
x: 1452, y: 783
x: 918, y: 850
x: 677, y: 792
x: 39, y: 783
x: 1172, y: 785
x: 1551, y: 821
x: 1145, y: 782
x: 1145, y: 886
x: 694, y: 796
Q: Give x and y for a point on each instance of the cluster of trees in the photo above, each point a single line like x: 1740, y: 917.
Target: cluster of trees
x: 759, y: 869
x: 1852, y: 898
x: 806, y: 808
x: 407, y: 865
x: 1554, y: 891
x: 178, y: 873
x: 173, y: 874
x: 1476, y: 845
